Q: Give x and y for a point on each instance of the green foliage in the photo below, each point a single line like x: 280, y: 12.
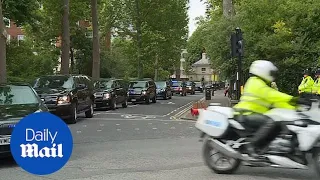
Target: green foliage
x: 284, y: 32
x: 25, y: 63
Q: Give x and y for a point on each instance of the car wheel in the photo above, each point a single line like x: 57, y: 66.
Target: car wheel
x: 74, y: 115
x: 89, y: 113
x: 113, y: 104
x: 125, y: 103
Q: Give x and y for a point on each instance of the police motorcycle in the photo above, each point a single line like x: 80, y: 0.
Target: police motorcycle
x: 297, y: 146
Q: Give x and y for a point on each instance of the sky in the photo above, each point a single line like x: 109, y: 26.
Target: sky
x: 196, y: 9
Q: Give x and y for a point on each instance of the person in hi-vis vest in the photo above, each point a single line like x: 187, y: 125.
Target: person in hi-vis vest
x: 305, y: 88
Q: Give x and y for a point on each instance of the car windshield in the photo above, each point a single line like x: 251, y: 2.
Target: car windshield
x: 188, y: 83
x: 54, y: 82
x: 138, y: 84
x: 161, y: 84
x: 176, y: 84
x: 17, y: 95
x: 106, y: 84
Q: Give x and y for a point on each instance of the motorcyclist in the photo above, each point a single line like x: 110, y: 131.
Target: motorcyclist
x: 257, y: 99
x: 305, y: 88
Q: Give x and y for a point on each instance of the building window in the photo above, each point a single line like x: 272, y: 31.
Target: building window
x: 20, y: 37
x: 203, y: 69
x: 6, y: 22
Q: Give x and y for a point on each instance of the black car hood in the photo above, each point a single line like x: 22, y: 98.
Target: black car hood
x: 46, y: 91
x: 103, y: 90
x: 17, y: 111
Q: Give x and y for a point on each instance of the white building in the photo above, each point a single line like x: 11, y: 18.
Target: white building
x: 203, y: 69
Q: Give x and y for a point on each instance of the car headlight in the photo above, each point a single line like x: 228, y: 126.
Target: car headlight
x: 143, y: 92
x: 63, y: 100
x: 106, y: 96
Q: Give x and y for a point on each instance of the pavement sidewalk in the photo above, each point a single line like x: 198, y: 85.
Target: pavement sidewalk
x: 217, y: 98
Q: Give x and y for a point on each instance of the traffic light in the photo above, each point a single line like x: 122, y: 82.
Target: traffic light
x: 237, y: 44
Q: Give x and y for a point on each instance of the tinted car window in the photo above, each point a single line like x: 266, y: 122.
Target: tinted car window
x: 161, y: 84
x: 138, y: 84
x: 106, y: 84
x: 13, y: 95
x: 176, y: 84
x: 189, y: 83
x: 54, y: 82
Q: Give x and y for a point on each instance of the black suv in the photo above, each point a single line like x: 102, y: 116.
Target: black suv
x: 142, y: 90
x: 111, y: 92
x: 67, y: 95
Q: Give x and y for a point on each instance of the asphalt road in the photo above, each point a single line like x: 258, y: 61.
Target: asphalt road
x: 141, y: 143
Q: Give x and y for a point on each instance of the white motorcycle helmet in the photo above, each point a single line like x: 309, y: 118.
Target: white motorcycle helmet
x: 264, y: 69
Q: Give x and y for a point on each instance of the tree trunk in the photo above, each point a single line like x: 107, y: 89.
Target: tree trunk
x: 3, y: 39
x: 65, y: 55
x: 228, y: 10
x: 138, y: 27
x: 156, y: 68
x: 96, y: 44
x: 108, y: 39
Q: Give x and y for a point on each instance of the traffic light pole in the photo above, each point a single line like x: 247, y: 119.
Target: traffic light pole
x: 237, y: 51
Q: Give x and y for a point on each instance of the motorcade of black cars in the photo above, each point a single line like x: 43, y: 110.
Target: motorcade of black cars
x: 142, y: 90
x: 163, y: 90
x: 111, y: 92
x: 17, y: 100
x: 67, y: 95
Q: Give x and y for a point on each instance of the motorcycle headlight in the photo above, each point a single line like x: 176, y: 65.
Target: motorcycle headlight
x: 63, y: 100
x: 106, y: 96
x: 143, y: 92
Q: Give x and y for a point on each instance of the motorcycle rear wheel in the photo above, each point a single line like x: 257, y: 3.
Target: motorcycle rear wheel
x: 213, y: 162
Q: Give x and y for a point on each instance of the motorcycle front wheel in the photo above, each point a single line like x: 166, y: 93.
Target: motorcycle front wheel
x: 218, y: 162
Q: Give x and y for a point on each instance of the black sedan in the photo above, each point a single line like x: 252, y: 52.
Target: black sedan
x: 16, y: 102
x: 163, y: 90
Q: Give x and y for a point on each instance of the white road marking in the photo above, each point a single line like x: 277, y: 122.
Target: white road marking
x: 84, y: 125
x: 99, y: 130
x: 118, y: 129
x: 120, y: 119
x: 154, y: 128
x: 117, y: 124
x: 78, y: 132
x: 165, y: 123
x: 137, y: 129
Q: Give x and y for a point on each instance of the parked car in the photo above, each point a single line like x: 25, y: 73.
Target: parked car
x: 17, y: 100
x: 199, y: 87
x: 163, y: 90
x: 179, y: 87
x: 191, y: 88
x: 142, y: 90
x: 111, y: 92
x: 67, y: 95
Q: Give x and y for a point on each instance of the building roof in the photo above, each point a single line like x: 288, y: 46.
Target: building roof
x: 203, y: 61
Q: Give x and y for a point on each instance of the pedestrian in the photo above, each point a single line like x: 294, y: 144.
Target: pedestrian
x: 226, y: 91
x: 305, y: 88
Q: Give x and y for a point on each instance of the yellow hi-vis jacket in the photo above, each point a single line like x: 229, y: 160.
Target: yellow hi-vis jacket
x: 306, y: 85
x: 258, y: 97
x: 316, y: 86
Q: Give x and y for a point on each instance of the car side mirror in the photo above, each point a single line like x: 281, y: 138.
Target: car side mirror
x: 81, y: 86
